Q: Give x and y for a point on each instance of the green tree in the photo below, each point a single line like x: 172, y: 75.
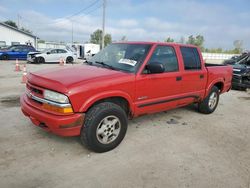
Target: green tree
x: 238, y: 46
x: 11, y: 23
x: 169, y: 40
x: 107, y: 39
x: 96, y: 38
x: 197, y: 41
x: 182, y: 40
x: 26, y: 30
x: 191, y: 40
x: 41, y: 41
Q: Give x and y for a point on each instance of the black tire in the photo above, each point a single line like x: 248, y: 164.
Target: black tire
x: 207, y: 107
x: 40, y: 60
x: 69, y: 59
x: 94, y: 119
x: 5, y: 57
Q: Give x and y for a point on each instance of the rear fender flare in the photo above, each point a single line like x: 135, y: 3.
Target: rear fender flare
x: 221, y: 80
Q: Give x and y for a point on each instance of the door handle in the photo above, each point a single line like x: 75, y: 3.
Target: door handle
x: 201, y: 76
x: 178, y: 78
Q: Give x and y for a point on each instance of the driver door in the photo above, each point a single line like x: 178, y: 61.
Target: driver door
x: 52, y: 56
x: 158, y: 92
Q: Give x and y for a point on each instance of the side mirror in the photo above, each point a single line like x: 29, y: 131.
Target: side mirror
x: 155, y: 68
x: 48, y: 53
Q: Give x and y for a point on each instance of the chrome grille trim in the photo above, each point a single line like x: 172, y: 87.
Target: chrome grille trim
x: 38, y: 99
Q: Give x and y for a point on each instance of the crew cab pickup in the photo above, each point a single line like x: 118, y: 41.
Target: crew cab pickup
x: 124, y: 80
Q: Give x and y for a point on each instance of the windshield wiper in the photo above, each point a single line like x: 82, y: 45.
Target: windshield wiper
x: 105, y: 65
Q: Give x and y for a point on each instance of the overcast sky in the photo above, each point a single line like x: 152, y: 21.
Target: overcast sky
x: 220, y: 22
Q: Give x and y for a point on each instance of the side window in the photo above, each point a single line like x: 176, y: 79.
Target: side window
x: 191, y: 58
x: 18, y: 49
x: 60, y: 51
x: 53, y: 51
x: 165, y: 55
x: 31, y: 49
x: 25, y: 49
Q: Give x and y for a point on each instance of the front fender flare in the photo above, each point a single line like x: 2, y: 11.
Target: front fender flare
x: 103, y: 95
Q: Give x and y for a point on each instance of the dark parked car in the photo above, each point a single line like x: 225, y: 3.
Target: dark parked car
x: 241, y: 74
x: 237, y: 59
x: 16, y: 52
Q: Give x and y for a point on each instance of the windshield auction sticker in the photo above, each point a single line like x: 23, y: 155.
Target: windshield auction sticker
x: 128, y: 62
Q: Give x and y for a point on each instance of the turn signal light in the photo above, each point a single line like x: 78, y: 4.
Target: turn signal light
x: 65, y: 110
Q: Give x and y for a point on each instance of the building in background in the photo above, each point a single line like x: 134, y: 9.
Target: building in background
x: 10, y: 36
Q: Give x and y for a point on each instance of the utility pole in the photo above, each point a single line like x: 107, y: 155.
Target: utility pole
x: 103, y: 22
x: 18, y: 21
x: 72, y: 33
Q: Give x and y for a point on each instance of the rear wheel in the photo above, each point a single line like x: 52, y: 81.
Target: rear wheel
x: 104, y: 127
x: 5, y: 57
x: 69, y: 59
x: 209, y: 104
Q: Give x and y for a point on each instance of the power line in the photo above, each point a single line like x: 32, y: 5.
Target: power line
x: 62, y: 19
x: 74, y: 19
x: 92, y: 4
x: 68, y: 17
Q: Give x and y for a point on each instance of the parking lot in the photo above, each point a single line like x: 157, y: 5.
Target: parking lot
x: 178, y: 148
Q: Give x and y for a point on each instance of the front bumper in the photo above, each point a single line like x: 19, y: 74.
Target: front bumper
x: 239, y: 81
x: 63, y: 125
x: 31, y: 60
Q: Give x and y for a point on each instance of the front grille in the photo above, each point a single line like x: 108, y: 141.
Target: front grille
x: 34, y: 89
x: 237, y: 79
x: 37, y: 91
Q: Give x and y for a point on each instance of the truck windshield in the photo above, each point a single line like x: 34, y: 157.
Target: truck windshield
x: 121, y: 56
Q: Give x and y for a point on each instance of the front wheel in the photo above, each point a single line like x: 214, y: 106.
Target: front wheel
x: 209, y: 104
x: 104, y: 127
x: 40, y: 60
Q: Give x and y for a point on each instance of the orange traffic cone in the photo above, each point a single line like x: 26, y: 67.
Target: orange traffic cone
x: 17, y: 67
x: 61, y: 62
x: 24, y: 77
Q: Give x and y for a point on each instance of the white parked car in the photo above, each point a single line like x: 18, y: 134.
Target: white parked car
x: 52, y: 56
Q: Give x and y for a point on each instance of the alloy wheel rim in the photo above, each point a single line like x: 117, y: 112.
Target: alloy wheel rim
x: 213, y: 100
x: 108, y: 129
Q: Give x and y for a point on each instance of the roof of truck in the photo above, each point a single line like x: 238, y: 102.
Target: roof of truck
x: 155, y: 43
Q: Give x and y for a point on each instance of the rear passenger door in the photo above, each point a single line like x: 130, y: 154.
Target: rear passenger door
x: 157, y: 92
x: 62, y: 53
x: 194, y: 74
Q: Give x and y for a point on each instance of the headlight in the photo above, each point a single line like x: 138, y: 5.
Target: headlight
x: 56, y: 97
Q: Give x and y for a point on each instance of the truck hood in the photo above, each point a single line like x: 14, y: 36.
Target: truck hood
x: 62, y: 79
x: 241, y: 69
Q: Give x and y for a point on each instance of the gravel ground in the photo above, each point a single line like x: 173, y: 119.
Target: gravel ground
x: 178, y: 148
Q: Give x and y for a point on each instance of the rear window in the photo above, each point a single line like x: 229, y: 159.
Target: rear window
x: 191, y: 58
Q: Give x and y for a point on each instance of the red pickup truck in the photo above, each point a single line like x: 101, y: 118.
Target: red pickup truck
x: 122, y: 81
